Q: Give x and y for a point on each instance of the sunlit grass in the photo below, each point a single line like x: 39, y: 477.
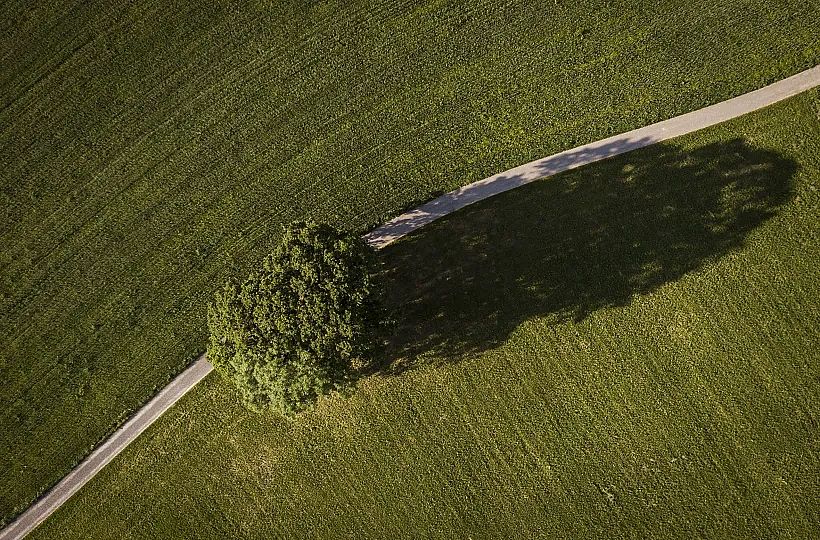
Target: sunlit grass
x: 151, y: 149
x: 626, y: 350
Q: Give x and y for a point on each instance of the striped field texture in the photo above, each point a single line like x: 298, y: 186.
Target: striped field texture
x: 628, y: 350
x: 150, y: 149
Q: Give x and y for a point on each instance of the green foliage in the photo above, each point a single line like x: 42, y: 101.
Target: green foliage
x: 294, y: 330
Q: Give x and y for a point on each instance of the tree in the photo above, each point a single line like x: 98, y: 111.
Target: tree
x: 294, y: 330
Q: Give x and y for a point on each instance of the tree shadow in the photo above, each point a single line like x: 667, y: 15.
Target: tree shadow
x: 574, y: 243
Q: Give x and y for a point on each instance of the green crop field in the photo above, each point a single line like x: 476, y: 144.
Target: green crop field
x: 628, y: 350
x: 150, y: 149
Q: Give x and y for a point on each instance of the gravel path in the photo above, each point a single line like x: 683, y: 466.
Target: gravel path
x: 107, y: 451
x: 403, y: 225
x: 589, y: 153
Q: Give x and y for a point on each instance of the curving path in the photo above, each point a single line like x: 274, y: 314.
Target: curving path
x: 589, y: 153
x: 403, y: 225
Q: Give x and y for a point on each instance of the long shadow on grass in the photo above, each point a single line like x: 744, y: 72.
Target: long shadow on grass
x: 568, y: 245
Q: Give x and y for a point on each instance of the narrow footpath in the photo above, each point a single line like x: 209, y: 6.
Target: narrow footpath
x: 403, y: 225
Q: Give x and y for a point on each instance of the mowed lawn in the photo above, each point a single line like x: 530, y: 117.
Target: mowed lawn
x: 151, y: 149
x: 628, y: 350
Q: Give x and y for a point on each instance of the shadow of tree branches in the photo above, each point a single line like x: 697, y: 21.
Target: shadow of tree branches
x: 574, y: 243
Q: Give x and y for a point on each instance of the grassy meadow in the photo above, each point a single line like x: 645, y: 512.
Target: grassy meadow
x: 627, y: 350
x: 151, y: 149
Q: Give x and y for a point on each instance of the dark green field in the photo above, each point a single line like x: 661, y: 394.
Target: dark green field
x: 150, y: 149
x: 628, y: 350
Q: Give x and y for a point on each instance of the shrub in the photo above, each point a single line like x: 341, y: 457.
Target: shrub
x: 293, y: 330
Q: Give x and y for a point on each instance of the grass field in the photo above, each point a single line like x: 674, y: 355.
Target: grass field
x: 628, y: 350
x: 150, y: 149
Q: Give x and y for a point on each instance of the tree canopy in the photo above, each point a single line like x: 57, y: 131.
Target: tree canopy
x: 293, y: 330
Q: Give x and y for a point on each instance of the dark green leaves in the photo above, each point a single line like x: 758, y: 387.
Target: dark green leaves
x: 292, y: 331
